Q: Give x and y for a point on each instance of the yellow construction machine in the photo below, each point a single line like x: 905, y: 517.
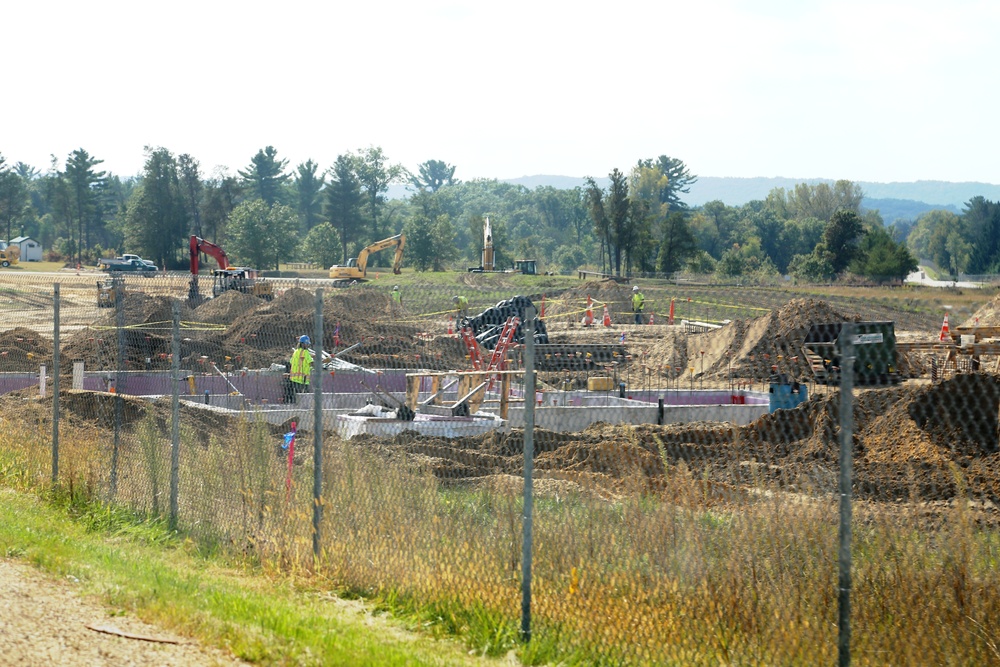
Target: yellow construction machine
x: 110, y: 290
x: 9, y: 254
x: 357, y: 269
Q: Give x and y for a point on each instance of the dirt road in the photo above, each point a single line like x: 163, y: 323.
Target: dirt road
x: 44, y: 623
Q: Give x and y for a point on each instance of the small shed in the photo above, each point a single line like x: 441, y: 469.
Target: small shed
x: 31, y: 250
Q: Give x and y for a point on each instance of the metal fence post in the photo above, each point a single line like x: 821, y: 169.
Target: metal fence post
x: 119, y: 292
x: 846, y: 342
x: 529, y: 462
x: 55, y: 384
x: 317, y: 380
x: 175, y: 414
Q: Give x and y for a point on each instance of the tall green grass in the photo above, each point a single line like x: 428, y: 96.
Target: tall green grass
x: 686, y: 575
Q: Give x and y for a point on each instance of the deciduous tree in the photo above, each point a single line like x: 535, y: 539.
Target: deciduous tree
x: 841, y: 236
x: 321, y: 245
x: 375, y: 174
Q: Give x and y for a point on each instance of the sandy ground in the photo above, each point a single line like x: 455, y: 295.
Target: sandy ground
x: 44, y: 622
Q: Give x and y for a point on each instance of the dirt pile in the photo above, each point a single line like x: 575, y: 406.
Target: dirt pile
x: 258, y: 333
x: 358, y: 314
x: 569, y: 305
x: 747, y: 348
x: 24, y: 350
x: 915, y: 443
x: 226, y: 307
x: 988, y: 315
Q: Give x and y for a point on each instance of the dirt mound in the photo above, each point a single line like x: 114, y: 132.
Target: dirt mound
x: 571, y: 303
x: 24, y: 350
x: 987, y: 316
x: 747, y: 348
x: 929, y: 443
x: 139, y: 308
x: 360, y: 314
x: 226, y: 307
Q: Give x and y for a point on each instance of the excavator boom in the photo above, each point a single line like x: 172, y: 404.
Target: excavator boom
x: 357, y: 269
x: 227, y: 277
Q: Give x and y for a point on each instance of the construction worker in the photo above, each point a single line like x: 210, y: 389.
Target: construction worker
x: 299, y: 370
x: 638, y: 301
x: 461, y: 307
x: 396, y: 295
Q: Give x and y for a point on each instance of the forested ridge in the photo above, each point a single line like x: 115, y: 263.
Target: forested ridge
x: 634, y: 220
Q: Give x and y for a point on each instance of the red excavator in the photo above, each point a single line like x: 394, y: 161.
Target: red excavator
x: 226, y: 277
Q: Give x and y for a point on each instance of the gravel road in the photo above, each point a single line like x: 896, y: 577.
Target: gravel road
x: 43, y: 622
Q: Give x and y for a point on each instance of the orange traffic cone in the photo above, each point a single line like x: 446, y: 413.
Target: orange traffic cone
x: 670, y: 319
x: 451, y: 325
x: 944, y: 329
x: 650, y: 317
x: 607, y: 316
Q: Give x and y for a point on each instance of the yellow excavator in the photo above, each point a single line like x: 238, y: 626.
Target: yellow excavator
x: 357, y: 269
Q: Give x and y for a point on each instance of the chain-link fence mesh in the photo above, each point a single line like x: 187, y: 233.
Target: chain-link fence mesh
x: 687, y: 444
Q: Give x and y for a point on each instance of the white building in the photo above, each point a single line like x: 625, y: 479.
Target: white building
x: 31, y: 250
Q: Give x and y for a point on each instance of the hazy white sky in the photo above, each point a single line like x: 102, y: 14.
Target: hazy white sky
x: 868, y: 90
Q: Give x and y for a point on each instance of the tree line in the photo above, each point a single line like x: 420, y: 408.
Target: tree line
x: 268, y: 213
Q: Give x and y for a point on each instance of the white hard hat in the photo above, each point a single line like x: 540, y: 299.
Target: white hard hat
x: 635, y: 288
x: 395, y: 287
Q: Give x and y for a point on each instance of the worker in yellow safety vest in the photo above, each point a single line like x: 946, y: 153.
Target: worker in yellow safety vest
x: 461, y: 307
x: 638, y: 302
x: 299, y: 370
x: 396, y: 295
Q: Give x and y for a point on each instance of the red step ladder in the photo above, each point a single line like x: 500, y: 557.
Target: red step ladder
x: 498, y: 360
x: 470, y: 342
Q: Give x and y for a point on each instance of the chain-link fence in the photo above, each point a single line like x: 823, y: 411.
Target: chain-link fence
x: 661, y: 475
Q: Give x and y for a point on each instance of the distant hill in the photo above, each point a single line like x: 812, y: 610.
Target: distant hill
x: 892, y: 210
x: 893, y: 200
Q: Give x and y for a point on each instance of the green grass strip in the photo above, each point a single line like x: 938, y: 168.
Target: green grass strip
x: 136, y: 567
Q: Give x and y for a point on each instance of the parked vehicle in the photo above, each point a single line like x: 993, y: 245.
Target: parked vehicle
x: 127, y: 263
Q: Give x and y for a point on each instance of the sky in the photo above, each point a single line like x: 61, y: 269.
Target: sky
x: 865, y: 90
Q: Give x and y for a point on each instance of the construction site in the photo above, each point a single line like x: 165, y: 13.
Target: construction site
x: 723, y: 400
x: 690, y: 380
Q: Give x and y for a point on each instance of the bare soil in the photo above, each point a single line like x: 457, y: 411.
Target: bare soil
x: 45, y: 624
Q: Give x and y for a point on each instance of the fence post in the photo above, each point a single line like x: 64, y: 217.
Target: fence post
x: 529, y: 462
x: 119, y: 292
x: 317, y: 381
x: 175, y: 414
x: 55, y: 384
x: 846, y: 342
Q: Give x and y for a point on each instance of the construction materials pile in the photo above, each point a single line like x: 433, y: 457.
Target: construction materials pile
x: 488, y: 325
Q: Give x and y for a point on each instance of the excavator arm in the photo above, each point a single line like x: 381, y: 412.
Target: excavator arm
x: 357, y: 269
x: 199, y: 245
x: 398, y: 240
